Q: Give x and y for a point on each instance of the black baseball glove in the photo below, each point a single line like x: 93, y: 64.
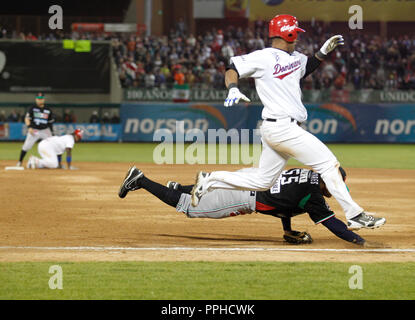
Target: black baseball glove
x: 297, y: 237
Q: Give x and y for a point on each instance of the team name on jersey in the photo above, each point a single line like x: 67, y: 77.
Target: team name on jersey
x: 314, y: 178
x: 41, y: 115
x: 41, y: 110
x: 281, y: 71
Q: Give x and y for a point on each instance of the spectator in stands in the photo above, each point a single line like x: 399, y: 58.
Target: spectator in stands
x: 94, y: 117
x: 106, y: 117
x: 392, y: 81
x: 339, y: 82
x: 165, y: 71
x: 3, y: 117
x: 150, y: 80
x: 227, y: 51
x: 219, y: 80
x: 160, y: 79
x: 181, y: 27
x: 191, y: 41
x: 115, y: 118
x: 190, y: 78
x: 179, y: 77
x: 13, y: 116
x: 198, y: 69
x: 3, y: 32
x: 158, y: 62
x: 68, y: 117
x: 130, y: 68
x: 30, y: 37
x: 357, y: 79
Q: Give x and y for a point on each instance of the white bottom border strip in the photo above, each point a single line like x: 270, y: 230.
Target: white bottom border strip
x: 389, y: 250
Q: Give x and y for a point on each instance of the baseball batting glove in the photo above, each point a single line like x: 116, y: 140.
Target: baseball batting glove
x: 234, y: 96
x: 331, y: 44
x: 297, y: 237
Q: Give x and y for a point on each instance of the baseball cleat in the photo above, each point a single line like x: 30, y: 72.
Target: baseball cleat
x: 173, y: 185
x: 31, y: 163
x: 365, y: 220
x: 19, y: 164
x: 198, y: 190
x: 131, y: 181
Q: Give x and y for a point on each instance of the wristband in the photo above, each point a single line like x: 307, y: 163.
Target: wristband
x: 232, y: 85
x: 320, y: 55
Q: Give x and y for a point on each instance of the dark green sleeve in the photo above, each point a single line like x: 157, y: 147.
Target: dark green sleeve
x: 317, y: 208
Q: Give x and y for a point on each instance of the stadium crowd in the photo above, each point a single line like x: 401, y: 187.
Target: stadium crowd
x: 365, y: 62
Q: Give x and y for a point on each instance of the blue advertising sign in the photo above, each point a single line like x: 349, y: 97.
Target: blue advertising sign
x: 330, y: 122
x: 92, y: 131
x: 362, y: 122
x: 181, y: 121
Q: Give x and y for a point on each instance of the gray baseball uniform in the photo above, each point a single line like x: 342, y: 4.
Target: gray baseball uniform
x: 232, y: 203
x: 41, y: 120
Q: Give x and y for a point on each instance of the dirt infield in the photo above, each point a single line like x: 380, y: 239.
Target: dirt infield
x: 44, y: 212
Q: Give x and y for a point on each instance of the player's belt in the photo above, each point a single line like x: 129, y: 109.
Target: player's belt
x: 275, y: 120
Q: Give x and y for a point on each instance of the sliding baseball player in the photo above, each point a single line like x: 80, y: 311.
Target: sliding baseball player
x: 296, y: 191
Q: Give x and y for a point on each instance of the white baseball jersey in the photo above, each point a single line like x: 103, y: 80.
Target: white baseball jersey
x: 59, y: 144
x: 277, y: 77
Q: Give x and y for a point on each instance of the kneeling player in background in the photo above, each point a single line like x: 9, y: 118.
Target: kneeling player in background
x: 50, y: 148
x: 297, y: 191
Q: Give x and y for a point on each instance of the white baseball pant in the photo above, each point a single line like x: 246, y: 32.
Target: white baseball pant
x: 282, y: 140
x: 49, y: 156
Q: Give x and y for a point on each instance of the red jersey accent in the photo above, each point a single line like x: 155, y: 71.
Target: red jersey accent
x: 263, y: 207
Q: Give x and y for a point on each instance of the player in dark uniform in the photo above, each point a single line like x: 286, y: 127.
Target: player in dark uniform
x: 297, y: 191
x: 39, y: 121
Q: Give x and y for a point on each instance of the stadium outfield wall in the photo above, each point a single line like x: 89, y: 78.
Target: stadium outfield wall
x: 330, y: 122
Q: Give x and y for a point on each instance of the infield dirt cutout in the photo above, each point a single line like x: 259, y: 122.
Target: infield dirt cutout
x: 56, y: 209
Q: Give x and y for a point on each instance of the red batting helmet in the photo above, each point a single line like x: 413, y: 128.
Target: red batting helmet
x: 79, y: 133
x: 284, y: 26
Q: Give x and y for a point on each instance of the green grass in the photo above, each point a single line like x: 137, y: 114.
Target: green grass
x: 392, y: 156
x: 207, y: 280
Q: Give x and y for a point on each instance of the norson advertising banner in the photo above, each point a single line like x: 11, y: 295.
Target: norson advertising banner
x: 333, y: 10
x: 15, y: 131
x: 30, y: 66
x: 329, y: 122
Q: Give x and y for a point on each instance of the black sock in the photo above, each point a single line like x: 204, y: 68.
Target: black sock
x: 22, y: 154
x: 168, y: 196
x: 186, y: 189
x: 286, y: 224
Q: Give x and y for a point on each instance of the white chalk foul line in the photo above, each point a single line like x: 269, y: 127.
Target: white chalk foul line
x: 204, y: 249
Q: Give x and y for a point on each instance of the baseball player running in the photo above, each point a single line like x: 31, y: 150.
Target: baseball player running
x: 39, y: 121
x: 296, y: 191
x: 277, y: 72
x: 50, y: 148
